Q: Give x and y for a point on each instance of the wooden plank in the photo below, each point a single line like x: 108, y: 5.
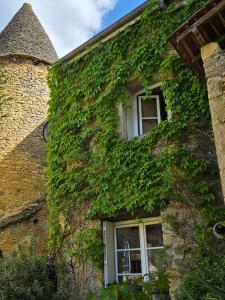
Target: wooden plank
x: 180, y: 49
x: 221, y: 38
x: 196, y: 58
x: 203, y: 19
x: 221, y: 19
x: 198, y: 14
x: 214, y: 28
x: 199, y: 37
x: 204, y: 32
x: 188, y: 50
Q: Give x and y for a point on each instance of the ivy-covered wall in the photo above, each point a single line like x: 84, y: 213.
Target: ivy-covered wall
x: 90, y: 166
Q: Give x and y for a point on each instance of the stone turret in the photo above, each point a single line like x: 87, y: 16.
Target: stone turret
x: 25, y: 36
x: 25, y: 55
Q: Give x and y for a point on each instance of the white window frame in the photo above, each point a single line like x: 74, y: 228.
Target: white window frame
x: 129, y: 115
x: 141, y: 98
x: 136, y: 116
x: 141, y: 223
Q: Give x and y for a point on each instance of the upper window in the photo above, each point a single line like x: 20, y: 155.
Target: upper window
x: 149, y: 114
x: 141, y: 114
x: 137, y: 249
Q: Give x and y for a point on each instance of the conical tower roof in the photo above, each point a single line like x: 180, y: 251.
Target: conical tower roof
x: 25, y: 36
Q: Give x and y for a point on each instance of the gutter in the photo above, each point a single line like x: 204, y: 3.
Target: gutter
x: 106, y: 32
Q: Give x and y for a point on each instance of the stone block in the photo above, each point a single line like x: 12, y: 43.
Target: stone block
x: 210, y: 49
x: 214, y: 87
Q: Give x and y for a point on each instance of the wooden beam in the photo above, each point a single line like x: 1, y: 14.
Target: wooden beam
x: 181, y: 50
x: 221, y: 19
x: 199, y: 37
x: 207, y: 38
x: 188, y: 50
x: 196, y: 58
x: 214, y: 28
x: 202, y: 20
x: 221, y: 38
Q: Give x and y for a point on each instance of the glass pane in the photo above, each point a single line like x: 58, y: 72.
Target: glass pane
x: 127, y: 278
x: 148, y: 125
x: 128, y: 237
x: 154, y: 259
x: 129, y: 262
x: 149, y: 108
x: 154, y: 235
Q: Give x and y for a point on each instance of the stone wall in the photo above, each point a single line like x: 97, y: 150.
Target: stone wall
x: 179, y: 223
x: 179, y: 219
x: 35, y: 225
x: 214, y: 65
x: 78, y: 275
x: 22, y: 152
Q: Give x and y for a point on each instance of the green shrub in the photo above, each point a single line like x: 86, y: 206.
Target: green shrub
x: 206, y: 278
x: 26, y: 276
x: 143, y: 288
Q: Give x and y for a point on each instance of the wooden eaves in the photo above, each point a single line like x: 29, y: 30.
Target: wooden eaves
x: 205, y: 26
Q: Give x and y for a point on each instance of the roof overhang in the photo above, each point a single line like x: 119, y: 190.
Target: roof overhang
x: 205, y: 26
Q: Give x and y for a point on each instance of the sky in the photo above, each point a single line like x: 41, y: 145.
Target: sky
x: 69, y: 23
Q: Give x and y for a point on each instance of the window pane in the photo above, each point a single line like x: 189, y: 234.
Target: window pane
x: 128, y: 237
x: 154, y: 259
x: 148, y: 125
x: 154, y: 235
x: 149, y: 108
x: 129, y: 262
x: 127, y: 278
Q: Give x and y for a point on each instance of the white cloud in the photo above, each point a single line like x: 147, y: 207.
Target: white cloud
x: 69, y: 23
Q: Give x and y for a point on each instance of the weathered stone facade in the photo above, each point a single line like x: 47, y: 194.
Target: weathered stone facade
x: 179, y: 219
x: 31, y: 225
x: 22, y: 152
x: 26, y: 52
x: 80, y: 275
x: 214, y: 65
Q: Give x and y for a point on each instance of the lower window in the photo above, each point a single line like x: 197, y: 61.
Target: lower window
x: 137, y: 248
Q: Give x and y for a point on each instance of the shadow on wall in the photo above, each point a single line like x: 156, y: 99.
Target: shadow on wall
x: 23, y: 191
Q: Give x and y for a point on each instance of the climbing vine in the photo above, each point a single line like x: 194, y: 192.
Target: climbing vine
x: 88, y: 244
x: 89, y: 165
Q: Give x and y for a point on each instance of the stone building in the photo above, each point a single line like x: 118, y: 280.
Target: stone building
x: 25, y: 55
x: 200, y: 41
x: 138, y: 231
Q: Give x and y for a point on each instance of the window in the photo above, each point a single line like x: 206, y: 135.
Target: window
x: 149, y: 114
x: 141, y: 114
x: 137, y: 247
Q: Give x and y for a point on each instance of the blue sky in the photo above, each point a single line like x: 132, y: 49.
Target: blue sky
x: 122, y: 8
x: 69, y: 23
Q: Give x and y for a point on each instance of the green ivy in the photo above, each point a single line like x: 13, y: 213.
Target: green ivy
x: 89, y: 163
x: 89, y: 245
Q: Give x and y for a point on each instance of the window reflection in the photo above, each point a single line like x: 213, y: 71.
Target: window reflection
x: 128, y: 237
x: 154, y: 235
x: 129, y: 262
